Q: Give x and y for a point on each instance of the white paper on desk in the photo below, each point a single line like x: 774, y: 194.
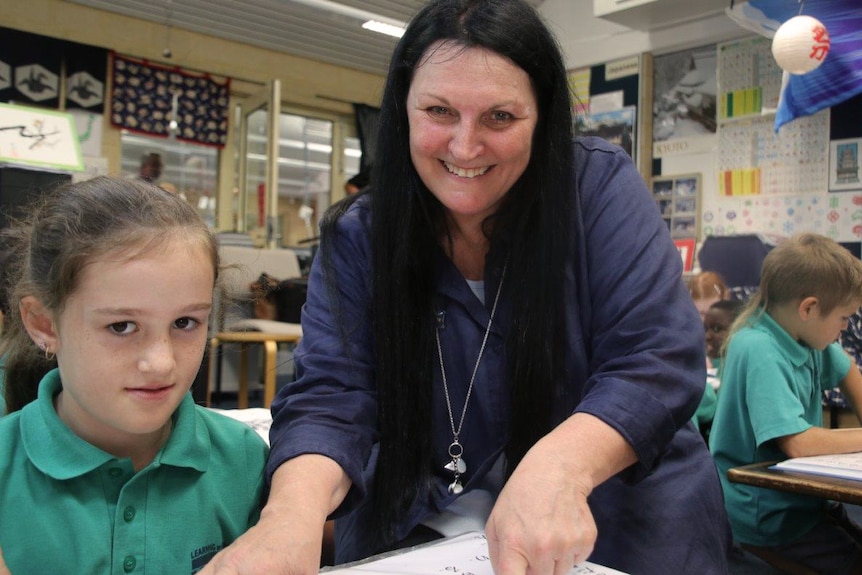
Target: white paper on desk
x: 462, y: 555
x: 258, y: 418
x: 844, y: 465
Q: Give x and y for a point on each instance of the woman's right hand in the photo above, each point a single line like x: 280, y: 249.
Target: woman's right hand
x: 288, y: 538
x: 284, y: 542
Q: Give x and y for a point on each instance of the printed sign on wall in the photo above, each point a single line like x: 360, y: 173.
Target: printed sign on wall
x: 39, y: 138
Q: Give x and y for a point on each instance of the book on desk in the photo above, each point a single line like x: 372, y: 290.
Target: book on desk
x: 843, y: 465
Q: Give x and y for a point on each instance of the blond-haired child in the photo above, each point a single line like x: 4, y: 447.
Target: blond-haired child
x: 781, y: 354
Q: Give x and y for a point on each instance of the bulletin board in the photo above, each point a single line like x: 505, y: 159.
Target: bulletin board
x: 755, y: 180
x: 607, y: 102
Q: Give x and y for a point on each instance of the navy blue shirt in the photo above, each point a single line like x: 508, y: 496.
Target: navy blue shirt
x: 636, y: 361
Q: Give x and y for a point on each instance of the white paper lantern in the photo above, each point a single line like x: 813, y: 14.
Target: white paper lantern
x: 800, y: 44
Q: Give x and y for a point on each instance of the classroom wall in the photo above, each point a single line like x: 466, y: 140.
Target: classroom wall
x: 795, y: 197
x: 587, y: 40
x: 308, y: 87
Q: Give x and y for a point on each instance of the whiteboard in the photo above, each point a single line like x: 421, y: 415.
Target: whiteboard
x: 33, y: 137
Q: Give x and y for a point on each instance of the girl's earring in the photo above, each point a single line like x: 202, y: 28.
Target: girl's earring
x: 48, y: 355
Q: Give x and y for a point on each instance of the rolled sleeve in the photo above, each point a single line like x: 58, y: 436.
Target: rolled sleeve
x: 330, y: 408
x: 646, y: 348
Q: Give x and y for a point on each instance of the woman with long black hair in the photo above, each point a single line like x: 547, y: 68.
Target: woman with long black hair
x: 496, y: 335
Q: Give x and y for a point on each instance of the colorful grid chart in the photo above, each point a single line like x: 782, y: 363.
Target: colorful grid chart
x: 749, y: 80
x: 742, y: 182
x: 742, y: 102
x: 753, y: 159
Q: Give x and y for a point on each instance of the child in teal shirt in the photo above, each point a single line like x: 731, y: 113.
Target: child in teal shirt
x: 780, y: 356
x: 716, y: 325
x: 106, y: 463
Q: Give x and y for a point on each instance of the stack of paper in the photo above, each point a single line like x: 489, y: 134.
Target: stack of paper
x: 462, y: 555
x: 845, y: 465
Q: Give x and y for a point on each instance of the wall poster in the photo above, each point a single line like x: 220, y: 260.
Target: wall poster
x: 844, y: 161
x: 33, y: 137
x: 684, y: 101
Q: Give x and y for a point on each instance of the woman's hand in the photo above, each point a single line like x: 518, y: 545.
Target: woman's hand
x: 288, y: 538
x: 541, y: 523
x: 283, y: 542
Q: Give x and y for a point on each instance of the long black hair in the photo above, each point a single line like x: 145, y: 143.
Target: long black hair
x: 408, y: 223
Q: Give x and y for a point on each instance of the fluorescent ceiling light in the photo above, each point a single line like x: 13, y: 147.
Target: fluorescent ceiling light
x: 384, y: 28
x: 350, y: 12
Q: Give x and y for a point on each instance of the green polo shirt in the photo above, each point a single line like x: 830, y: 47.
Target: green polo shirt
x: 706, y: 408
x: 770, y: 387
x: 68, y: 507
x: 2, y: 386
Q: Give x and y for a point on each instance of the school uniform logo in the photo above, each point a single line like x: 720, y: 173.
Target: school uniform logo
x: 203, y: 555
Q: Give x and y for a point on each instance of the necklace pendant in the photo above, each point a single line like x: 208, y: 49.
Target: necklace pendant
x: 455, y: 488
x: 456, y: 466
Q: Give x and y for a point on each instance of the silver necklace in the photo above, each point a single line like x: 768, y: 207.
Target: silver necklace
x: 456, y: 464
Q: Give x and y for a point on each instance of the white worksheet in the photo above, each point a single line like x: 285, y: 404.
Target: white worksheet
x: 462, y: 555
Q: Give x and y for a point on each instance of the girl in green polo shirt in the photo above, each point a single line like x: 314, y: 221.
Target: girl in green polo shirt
x: 106, y: 463
x: 780, y: 355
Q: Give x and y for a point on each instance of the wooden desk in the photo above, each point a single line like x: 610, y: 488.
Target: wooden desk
x: 835, y: 488
x: 270, y: 343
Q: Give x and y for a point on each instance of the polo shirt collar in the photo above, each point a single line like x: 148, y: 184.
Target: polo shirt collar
x: 797, y: 353
x: 57, y: 452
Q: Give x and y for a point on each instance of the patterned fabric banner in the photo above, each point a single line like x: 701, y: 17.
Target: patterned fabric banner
x: 838, y: 78
x: 146, y: 97
x: 31, y: 67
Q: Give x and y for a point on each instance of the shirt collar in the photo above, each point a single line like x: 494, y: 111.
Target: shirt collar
x: 797, y: 353
x: 60, y: 454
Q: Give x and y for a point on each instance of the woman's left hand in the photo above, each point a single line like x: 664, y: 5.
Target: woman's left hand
x: 541, y: 523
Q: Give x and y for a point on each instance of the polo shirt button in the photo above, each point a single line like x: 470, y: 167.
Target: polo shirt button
x: 115, y: 472
x: 129, y: 564
x: 129, y: 513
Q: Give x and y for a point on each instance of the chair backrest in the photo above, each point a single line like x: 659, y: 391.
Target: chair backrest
x: 289, y: 298
x: 280, y: 263
x: 244, y: 265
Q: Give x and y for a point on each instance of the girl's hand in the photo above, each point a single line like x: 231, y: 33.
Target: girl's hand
x: 3, y: 569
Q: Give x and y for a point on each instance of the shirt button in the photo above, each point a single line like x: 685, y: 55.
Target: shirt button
x: 129, y: 513
x: 129, y: 564
x: 115, y: 472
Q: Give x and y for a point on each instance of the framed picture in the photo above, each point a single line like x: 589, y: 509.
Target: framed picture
x: 33, y: 137
x: 684, y: 94
x: 844, y: 164
x: 616, y: 126
x: 686, y: 252
x: 678, y: 201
